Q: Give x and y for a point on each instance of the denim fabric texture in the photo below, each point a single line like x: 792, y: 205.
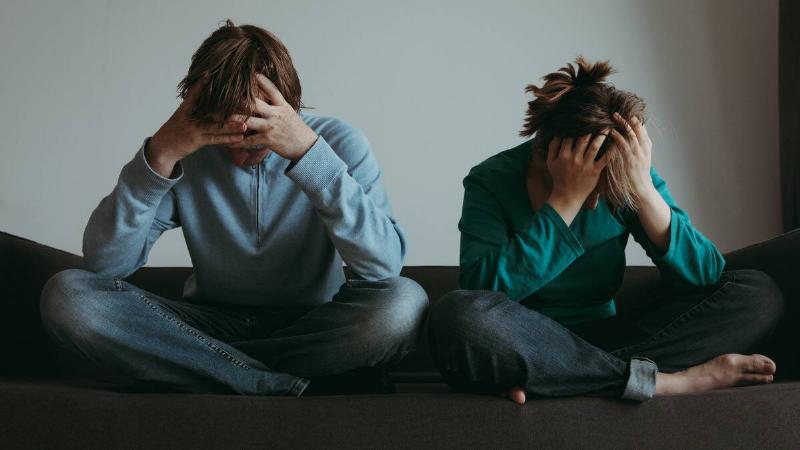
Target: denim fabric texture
x: 484, y: 342
x: 206, y: 348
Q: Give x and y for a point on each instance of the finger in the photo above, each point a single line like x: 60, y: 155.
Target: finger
x: 601, y: 163
x: 620, y: 141
x: 597, y: 143
x: 256, y: 123
x: 566, y: 147
x: 250, y: 141
x: 552, y: 149
x: 270, y: 90
x: 641, y: 131
x: 630, y: 134
x: 230, y: 126
x: 581, y: 144
x: 237, y: 118
x: 265, y: 109
x: 217, y: 118
x: 217, y: 139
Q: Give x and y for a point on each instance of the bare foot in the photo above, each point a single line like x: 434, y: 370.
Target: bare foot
x: 721, y: 372
x: 516, y: 395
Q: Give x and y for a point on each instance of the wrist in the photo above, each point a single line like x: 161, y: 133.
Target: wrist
x: 308, y: 142
x: 649, y: 195
x: 159, y: 158
x: 565, y: 199
x: 566, y: 206
x: 158, y: 151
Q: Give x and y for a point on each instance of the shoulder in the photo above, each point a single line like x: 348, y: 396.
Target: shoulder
x: 347, y: 141
x: 502, y: 167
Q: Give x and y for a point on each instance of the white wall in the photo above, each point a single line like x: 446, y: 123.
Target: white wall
x: 437, y: 87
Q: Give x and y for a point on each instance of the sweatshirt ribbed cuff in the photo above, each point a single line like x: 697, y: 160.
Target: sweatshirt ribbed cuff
x: 317, y: 168
x: 145, y: 183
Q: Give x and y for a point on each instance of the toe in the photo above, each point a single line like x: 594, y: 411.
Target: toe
x: 754, y: 378
x: 761, y: 364
x: 517, y: 395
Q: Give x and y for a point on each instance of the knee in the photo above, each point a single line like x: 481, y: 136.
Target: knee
x: 66, y: 305
x: 763, y: 301
x: 401, y: 311
x: 461, y: 313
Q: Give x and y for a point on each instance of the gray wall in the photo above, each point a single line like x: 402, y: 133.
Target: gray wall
x: 437, y: 87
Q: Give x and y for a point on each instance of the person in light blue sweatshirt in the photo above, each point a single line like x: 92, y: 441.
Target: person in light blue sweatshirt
x: 271, y: 202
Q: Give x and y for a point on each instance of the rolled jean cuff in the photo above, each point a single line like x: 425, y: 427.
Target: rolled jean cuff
x: 299, y: 387
x: 641, y: 380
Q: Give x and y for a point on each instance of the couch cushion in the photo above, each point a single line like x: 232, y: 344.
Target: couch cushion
x: 35, y: 416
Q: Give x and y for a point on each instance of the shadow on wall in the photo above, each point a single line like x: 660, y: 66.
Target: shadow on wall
x: 726, y: 163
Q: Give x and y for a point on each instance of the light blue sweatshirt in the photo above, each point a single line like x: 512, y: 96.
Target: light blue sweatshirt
x: 270, y: 235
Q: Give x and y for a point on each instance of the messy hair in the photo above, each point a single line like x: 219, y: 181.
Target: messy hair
x: 576, y: 100
x: 230, y: 58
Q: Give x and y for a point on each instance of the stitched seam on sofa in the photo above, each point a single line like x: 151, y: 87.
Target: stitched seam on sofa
x: 685, y: 316
x: 236, y: 361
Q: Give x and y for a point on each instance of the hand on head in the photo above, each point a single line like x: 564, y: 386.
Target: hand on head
x: 635, y: 147
x: 277, y: 125
x: 575, y: 168
x: 181, y: 136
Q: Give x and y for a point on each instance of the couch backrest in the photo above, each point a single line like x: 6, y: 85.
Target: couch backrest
x: 26, y: 265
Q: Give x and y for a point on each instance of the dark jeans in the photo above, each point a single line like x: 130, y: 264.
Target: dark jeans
x: 484, y: 342
x: 248, y: 350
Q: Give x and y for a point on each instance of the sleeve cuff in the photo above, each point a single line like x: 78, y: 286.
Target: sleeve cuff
x: 317, y: 168
x: 563, y: 229
x: 144, y: 182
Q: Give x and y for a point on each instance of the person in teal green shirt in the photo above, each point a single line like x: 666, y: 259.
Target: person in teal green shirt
x: 543, y: 234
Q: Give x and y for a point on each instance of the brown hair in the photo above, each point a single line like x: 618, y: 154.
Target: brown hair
x: 230, y: 58
x: 575, y: 101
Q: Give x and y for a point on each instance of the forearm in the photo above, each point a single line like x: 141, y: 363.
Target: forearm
x: 356, y: 216
x: 655, y: 216
x: 680, y: 251
x: 529, y: 260
x: 123, y: 227
x: 367, y: 239
x: 115, y: 243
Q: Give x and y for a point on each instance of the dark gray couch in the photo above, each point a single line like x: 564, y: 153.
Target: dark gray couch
x: 49, y: 399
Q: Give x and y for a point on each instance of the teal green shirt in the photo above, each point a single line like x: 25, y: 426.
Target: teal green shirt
x: 569, y: 273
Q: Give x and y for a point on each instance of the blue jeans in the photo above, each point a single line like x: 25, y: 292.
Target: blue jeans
x: 225, y: 348
x: 484, y: 342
